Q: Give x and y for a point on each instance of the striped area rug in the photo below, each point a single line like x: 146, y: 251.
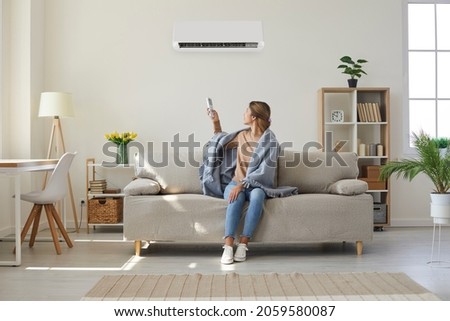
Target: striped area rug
x: 371, y: 286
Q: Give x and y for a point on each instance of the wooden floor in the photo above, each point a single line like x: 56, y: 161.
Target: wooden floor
x: 44, y: 275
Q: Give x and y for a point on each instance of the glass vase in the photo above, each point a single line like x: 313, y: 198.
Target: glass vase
x: 122, y: 154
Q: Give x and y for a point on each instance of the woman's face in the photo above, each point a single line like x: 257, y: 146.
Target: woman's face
x: 248, y: 118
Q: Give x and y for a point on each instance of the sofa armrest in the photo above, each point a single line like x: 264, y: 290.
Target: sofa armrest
x: 348, y: 187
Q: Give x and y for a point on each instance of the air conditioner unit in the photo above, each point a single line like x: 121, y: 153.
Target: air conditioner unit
x: 221, y: 36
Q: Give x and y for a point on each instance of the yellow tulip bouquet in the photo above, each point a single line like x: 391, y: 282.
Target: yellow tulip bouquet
x: 121, y: 140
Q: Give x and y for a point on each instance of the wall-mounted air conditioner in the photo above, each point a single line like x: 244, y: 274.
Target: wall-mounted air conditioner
x: 218, y: 36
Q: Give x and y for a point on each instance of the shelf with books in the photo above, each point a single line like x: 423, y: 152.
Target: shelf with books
x: 369, y: 113
x: 364, y: 128
x: 104, y: 194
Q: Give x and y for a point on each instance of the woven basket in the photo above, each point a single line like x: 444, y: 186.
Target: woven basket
x: 105, y: 210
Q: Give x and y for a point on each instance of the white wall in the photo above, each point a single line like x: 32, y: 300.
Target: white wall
x: 22, y: 80
x: 116, y: 57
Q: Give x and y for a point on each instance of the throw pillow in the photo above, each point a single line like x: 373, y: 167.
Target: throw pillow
x: 142, y: 186
x: 348, y: 187
x: 142, y: 169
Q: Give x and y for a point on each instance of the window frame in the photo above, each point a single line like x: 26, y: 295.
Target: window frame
x: 407, y: 149
x: 1, y: 79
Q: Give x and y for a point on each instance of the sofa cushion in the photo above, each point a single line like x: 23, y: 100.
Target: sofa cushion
x: 142, y: 168
x: 175, y: 173
x: 312, y: 172
x: 142, y: 186
x: 298, y: 218
x: 315, y: 171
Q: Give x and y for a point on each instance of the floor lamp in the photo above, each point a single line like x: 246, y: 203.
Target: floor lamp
x: 56, y: 105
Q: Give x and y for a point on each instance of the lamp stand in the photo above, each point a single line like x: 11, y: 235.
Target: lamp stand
x: 57, y: 132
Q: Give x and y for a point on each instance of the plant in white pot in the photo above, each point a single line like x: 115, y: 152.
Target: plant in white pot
x: 353, y: 69
x: 442, y: 143
x: 431, y: 163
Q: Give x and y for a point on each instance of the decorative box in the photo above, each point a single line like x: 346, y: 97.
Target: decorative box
x: 105, y: 210
x: 379, y: 213
x: 371, y: 171
x: 374, y: 183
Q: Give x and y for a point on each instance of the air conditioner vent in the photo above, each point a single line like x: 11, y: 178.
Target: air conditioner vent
x: 218, y: 44
x: 218, y: 36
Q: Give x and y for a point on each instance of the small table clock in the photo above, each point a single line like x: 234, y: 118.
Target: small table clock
x: 337, y: 116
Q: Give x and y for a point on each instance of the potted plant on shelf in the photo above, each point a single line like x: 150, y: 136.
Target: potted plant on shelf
x: 442, y: 143
x: 121, y: 140
x: 431, y: 163
x: 352, y: 68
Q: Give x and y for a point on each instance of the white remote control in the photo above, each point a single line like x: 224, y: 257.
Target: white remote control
x: 209, y: 103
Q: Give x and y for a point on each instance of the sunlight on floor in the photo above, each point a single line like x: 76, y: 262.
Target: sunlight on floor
x: 228, y: 267
x: 100, y: 241
x: 128, y: 266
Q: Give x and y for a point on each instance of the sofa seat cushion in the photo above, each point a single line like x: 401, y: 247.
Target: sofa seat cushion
x: 181, y: 217
x: 316, y: 218
x: 298, y: 218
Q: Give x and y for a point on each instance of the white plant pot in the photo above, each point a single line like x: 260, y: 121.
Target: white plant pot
x: 440, y: 208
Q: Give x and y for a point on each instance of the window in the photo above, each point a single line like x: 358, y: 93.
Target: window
x: 428, y: 54
x: 1, y: 78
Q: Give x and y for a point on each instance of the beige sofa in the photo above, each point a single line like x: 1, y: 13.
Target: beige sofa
x: 331, y: 206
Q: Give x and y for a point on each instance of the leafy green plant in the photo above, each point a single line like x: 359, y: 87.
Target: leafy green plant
x: 352, y: 68
x: 429, y: 162
x: 442, y: 142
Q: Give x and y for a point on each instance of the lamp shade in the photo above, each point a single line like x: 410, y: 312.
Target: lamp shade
x: 56, y: 104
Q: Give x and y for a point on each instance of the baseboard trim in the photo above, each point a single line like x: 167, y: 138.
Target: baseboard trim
x: 4, y: 232
x: 8, y: 231
x: 411, y: 222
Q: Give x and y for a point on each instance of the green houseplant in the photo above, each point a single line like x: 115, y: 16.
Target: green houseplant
x: 353, y: 69
x: 442, y: 142
x: 432, y: 163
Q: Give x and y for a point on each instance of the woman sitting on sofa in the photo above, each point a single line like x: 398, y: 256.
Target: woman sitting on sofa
x: 249, y: 176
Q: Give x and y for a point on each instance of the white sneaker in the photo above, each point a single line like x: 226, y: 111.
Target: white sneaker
x: 241, y: 253
x: 227, y: 256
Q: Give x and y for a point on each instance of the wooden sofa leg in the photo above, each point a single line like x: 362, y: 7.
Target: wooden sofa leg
x: 359, y: 247
x: 137, y: 247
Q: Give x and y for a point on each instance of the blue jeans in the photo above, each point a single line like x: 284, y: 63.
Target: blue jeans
x: 256, y: 197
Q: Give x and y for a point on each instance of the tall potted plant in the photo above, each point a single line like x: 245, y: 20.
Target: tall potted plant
x: 353, y: 69
x: 431, y: 163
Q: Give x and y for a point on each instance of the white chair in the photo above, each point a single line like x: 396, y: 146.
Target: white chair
x: 54, y: 191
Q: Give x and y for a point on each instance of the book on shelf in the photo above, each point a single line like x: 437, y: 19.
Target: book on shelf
x: 380, y: 119
x: 368, y: 112
x: 97, y: 186
x: 363, y: 112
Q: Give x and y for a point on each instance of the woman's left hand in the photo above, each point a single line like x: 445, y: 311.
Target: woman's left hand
x: 234, y: 193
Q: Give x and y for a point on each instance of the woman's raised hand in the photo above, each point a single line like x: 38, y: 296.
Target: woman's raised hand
x: 213, y: 114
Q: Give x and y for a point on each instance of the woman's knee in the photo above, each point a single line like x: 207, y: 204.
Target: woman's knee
x: 228, y: 189
x: 257, y: 193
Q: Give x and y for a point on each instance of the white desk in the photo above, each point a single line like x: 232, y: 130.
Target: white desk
x: 14, y: 168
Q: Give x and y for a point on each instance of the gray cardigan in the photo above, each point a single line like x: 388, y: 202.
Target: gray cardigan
x: 219, y: 165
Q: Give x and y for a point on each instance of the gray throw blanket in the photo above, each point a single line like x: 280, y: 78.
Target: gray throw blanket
x: 219, y: 164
